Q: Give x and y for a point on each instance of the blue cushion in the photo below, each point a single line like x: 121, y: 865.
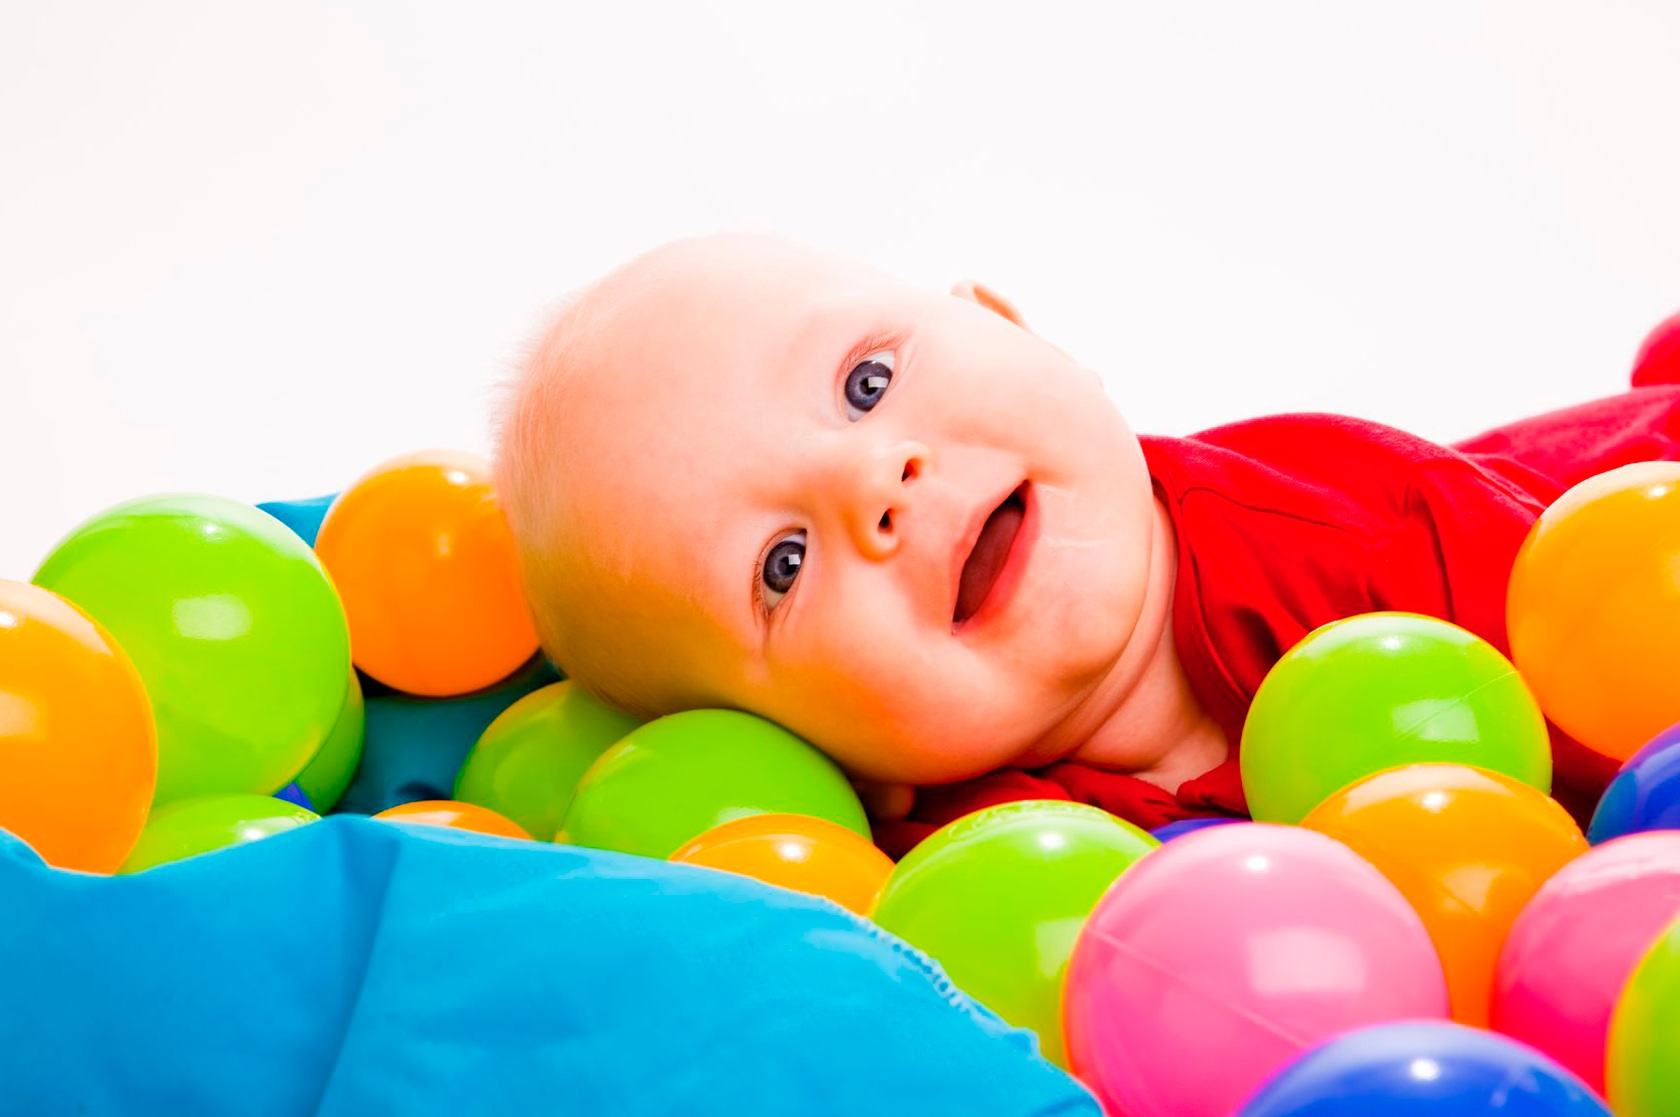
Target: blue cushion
x: 352, y: 966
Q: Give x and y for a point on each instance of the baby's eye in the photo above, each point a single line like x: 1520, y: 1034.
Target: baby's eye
x: 867, y: 383
x: 781, y: 566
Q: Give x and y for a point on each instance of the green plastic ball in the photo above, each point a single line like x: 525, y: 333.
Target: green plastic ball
x: 234, y: 626
x: 529, y: 760
x: 1642, y: 1053
x: 680, y: 775
x: 1377, y: 691
x: 189, y: 827
x: 326, y: 776
x: 999, y: 897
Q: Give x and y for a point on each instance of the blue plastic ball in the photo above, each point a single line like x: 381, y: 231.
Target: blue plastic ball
x: 1187, y: 826
x: 1645, y: 795
x: 1423, y: 1068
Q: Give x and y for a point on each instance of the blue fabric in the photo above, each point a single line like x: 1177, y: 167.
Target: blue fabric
x: 353, y: 966
x: 302, y: 516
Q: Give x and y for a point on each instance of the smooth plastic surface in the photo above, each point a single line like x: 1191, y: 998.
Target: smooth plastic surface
x: 1594, y: 604
x: 1642, y: 1055
x: 998, y: 897
x: 425, y: 564
x: 233, y: 626
x: 456, y: 816
x: 1466, y: 847
x: 1188, y: 826
x: 1572, y: 949
x: 353, y: 967
x: 327, y: 775
x: 795, y: 851
x: 1377, y: 691
x: 1424, y: 1069
x: 1222, y: 955
x: 189, y: 827
x: 671, y: 780
x: 78, y: 749
x: 1645, y: 795
x: 528, y: 761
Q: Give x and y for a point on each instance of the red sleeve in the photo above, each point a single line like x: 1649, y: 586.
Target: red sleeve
x: 1567, y: 446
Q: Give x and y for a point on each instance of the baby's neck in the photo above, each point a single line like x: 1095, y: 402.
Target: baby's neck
x: 1145, y: 719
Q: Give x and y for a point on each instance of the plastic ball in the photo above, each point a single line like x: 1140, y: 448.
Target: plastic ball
x: 425, y: 563
x: 1417, y: 1068
x: 1222, y: 955
x: 1466, y: 847
x: 796, y: 852
x: 189, y: 827
x: 233, y: 626
x: 1188, y: 826
x: 1658, y: 359
x: 678, y: 776
x: 1571, y: 950
x: 1380, y: 690
x: 1645, y: 795
x: 998, y: 898
x: 78, y: 749
x: 528, y: 761
x: 1642, y: 1055
x: 327, y: 775
x: 1593, y: 603
x: 455, y: 816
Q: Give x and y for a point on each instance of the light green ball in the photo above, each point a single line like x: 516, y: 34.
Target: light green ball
x: 326, y: 776
x: 233, y: 624
x: 1377, y: 691
x: 189, y: 827
x: 1642, y: 1053
x: 528, y: 761
x: 998, y: 898
x: 678, y: 776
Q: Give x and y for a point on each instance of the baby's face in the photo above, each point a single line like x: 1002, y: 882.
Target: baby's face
x: 893, y: 521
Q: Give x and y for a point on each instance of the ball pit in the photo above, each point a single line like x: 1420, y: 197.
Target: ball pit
x: 796, y: 852
x: 999, y: 897
x: 1572, y: 948
x: 678, y: 776
x: 1222, y: 955
x: 1645, y: 795
x: 78, y: 749
x: 1377, y: 691
x: 1593, y: 602
x: 328, y: 773
x: 1466, y: 847
x: 235, y: 629
x: 527, y: 762
x: 1414, y: 1068
x: 425, y: 565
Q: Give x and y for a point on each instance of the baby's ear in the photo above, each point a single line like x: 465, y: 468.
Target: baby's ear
x: 976, y: 292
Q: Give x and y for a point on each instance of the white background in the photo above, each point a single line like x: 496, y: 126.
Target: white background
x: 254, y: 249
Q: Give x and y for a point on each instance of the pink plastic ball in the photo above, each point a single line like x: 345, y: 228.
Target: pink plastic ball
x: 1219, y: 957
x: 1571, y: 950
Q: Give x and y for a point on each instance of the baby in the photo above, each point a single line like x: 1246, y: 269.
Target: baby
x: 748, y: 474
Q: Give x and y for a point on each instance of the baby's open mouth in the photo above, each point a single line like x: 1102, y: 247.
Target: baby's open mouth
x: 991, y: 551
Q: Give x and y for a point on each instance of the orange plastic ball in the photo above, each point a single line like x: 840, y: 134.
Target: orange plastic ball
x: 456, y: 816
x: 796, y: 852
x: 1467, y: 848
x: 424, y: 563
x: 78, y: 744
x: 1594, y: 603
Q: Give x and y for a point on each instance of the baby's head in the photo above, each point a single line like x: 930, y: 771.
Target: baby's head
x: 745, y: 473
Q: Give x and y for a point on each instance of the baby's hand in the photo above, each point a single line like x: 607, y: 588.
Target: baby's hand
x: 886, y: 802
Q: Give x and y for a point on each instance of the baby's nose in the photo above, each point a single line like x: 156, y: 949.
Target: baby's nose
x: 879, y: 493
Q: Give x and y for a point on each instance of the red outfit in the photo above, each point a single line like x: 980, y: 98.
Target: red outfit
x: 1289, y: 522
